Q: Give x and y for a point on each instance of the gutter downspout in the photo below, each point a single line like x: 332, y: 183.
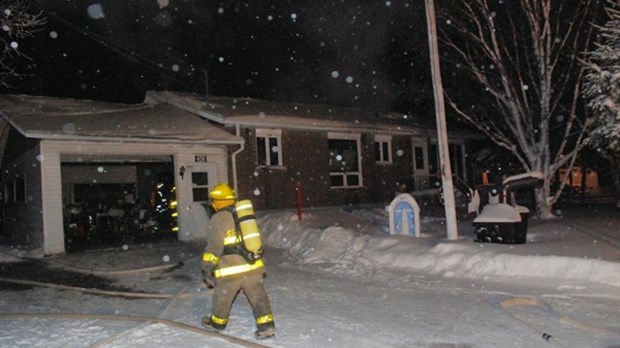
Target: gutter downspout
x: 234, y: 157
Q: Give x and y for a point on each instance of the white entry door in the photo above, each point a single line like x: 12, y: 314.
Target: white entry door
x: 193, y: 194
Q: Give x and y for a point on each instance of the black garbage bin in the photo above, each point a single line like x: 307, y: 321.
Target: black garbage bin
x: 520, y: 233
x: 501, y: 223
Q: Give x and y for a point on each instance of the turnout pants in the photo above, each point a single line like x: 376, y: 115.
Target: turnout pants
x: 226, y: 291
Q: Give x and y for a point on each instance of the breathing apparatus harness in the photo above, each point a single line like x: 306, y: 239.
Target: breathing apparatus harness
x: 246, y: 240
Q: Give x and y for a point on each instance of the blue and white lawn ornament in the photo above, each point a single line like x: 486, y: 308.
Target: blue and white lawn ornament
x: 404, y: 215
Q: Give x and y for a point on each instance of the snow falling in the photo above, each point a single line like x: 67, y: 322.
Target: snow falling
x: 337, y: 278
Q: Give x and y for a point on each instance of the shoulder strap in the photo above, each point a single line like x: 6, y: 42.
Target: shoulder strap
x: 233, y: 211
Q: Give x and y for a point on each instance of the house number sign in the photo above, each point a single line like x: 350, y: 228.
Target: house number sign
x: 200, y: 158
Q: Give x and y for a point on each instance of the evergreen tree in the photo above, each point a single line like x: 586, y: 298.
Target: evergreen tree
x: 601, y: 89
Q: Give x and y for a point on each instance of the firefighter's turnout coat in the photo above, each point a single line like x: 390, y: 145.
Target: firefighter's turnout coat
x: 233, y: 273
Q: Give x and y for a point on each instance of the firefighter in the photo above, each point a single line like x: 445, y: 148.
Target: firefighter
x: 229, y: 268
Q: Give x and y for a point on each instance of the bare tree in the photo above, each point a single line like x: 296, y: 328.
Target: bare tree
x: 16, y: 24
x: 522, y: 59
x: 601, y: 88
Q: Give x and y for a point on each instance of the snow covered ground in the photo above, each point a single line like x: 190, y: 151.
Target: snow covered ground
x: 336, y: 278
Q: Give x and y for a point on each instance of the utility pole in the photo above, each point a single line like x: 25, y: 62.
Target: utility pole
x: 442, y: 131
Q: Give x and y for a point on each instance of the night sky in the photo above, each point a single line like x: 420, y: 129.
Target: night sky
x: 349, y: 53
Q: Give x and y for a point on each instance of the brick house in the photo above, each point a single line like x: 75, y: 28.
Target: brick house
x: 56, y: 153
x: 337, y: 156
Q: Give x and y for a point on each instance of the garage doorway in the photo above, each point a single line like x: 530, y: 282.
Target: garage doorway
x: 116, y: 203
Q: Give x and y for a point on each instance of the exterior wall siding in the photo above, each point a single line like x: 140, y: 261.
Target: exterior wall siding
x: 51, y: 191
x: 23, y: 220
x: 305, y: 161
x: 304, y: 156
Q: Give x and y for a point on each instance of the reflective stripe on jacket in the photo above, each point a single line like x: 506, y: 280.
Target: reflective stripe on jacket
x: 227, y: 271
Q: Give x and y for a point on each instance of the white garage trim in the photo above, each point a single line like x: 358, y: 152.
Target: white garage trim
x: 52, y: 151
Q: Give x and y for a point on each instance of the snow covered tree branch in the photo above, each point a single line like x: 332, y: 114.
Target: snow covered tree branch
x: 601, y: 89
x: 17, y: 24
x: 521, y: 59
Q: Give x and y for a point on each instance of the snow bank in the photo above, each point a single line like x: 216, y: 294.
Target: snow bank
x: 9, y: 254
x: 349, y: 250
x: 458, y: 260
x: 337, y: 248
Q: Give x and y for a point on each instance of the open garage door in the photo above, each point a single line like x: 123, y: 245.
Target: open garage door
x: 115, y: 201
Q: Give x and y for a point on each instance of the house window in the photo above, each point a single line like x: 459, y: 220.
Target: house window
x: 15, y: 191
x: 383, y: 149
x: 269, y: 147
x: 200, y: 186
x: 20, y: 190
x: 457, y: 159
x: 344, y: 163
x: 419, y: 157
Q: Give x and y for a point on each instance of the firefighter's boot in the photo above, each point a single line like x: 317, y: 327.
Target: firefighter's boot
x: 208, y: 324
x: 265, y: 332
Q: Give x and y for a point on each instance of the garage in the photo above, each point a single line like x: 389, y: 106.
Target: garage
x: 86, y: 172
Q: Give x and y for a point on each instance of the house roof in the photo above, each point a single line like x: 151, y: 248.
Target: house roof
x: 43, y: 117
x: 249, y: 112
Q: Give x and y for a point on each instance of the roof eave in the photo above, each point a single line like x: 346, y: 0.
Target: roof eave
x: 361, y: 129
x: 63, y: 137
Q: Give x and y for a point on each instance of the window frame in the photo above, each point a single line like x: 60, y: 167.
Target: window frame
x: 420, y: 160
x: 380, y: 140
x: 267, y: 135
x: 345, y: 174
x: 14, y: 190
x: 200, y: 190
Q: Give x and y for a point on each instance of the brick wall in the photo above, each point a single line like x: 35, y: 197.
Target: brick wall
x: 305, y: 161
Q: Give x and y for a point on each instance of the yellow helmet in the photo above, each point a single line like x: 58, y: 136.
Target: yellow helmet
x: 222, y: 192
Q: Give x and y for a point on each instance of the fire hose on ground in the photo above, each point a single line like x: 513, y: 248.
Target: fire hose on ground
x: 78, y: 316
